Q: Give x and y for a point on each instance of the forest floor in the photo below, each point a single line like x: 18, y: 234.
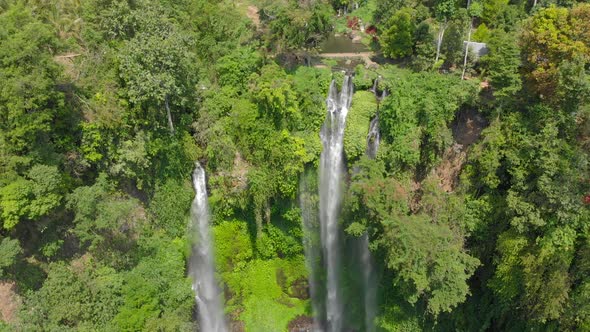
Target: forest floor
x: 251, y: 11
x: 9, y: 301
x: 252, y: 14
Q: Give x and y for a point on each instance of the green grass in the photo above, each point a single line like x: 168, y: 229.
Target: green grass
x: 261, y: 289
x: 365, y: 13
x: 364, y: 107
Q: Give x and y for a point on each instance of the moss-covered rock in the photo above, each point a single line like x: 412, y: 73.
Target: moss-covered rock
x: 364, y: 107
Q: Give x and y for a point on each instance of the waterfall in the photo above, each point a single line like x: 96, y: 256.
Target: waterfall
x: 331, y: 180
x: 201, y: 267
x: 311, y: 242
x: 369, y: 284
x: 374, y: 88
x: 373, y: 138
x: 369, y: 280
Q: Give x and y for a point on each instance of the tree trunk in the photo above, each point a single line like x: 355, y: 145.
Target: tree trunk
x: 170, y: 124
x: 441, y: 34
x: 467, y: 50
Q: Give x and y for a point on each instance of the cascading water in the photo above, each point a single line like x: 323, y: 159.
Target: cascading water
x: 375, y: 82
x: 369, y: 282
x: 308, y: 198
x: 202, y: 268
x: 331, y: 179
x: 369, y: 286
x: 373, y: 138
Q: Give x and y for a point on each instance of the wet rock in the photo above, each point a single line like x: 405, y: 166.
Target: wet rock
x: 301, y: 324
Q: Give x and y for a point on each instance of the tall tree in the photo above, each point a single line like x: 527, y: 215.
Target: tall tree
x: 157, y: 64
x: 398, y: 39
x: 29, y: 100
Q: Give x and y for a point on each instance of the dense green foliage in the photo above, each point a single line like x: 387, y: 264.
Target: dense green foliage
x: 476, y: 206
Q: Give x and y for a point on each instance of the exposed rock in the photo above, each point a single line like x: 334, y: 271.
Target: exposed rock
x: 467, y: 128
x: 300, y: 289
x: 449, y: 169
x: 301, y: 324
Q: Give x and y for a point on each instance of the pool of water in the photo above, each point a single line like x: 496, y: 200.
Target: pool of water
x: 341, y: 44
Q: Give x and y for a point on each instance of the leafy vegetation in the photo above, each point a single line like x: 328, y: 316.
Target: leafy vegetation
x: 476, y: 206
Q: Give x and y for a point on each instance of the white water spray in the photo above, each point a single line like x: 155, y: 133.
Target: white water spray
x: 201, y: 267
x: 373, y: 138
x: 331, y: 181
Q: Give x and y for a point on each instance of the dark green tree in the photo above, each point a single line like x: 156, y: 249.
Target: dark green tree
x: 398, y: 38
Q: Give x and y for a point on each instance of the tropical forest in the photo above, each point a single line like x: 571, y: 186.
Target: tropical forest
x: 295, y: 165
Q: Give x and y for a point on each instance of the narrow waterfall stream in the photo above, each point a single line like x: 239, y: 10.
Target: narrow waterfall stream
x: 373, y: 138
x: 369, y: 282
x: 312, y: 243
x: 369, y: 278
x: 332, y: 172
x: 201, y: 266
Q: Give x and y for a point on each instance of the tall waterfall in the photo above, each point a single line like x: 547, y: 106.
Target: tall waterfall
x: 201, y: 267
x: 331, y: 180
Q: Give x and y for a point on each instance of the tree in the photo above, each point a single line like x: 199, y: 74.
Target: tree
x: 424, y: 248
x: 83, y: 298
x: 551, y: 36
x: 156, y: 294
x: 424, y: 47
x: 573, y: 89
x: 503, y: 64
x: 452, y: 46
x: 157, y: 65
x: 398, y: 39
x: 29, y: 101
x: 104, y: 219
x: 529, y: 172
x: 10, y: 252
x: 415, y: 119
x: 444, y: 10
x: 33, y: 196
x: 493, y: 11
x: 132, y: 159
x: 294, y: 26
